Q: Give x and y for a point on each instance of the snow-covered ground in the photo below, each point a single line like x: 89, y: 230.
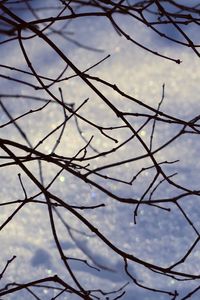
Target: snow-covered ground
x: 159, y: 237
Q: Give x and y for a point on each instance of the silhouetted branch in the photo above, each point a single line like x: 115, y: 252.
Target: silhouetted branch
x: 111, y: 151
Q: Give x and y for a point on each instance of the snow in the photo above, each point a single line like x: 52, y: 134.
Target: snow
x: 160, y: 237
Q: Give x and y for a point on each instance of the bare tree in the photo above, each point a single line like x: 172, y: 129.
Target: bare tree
x: 91, y: 150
